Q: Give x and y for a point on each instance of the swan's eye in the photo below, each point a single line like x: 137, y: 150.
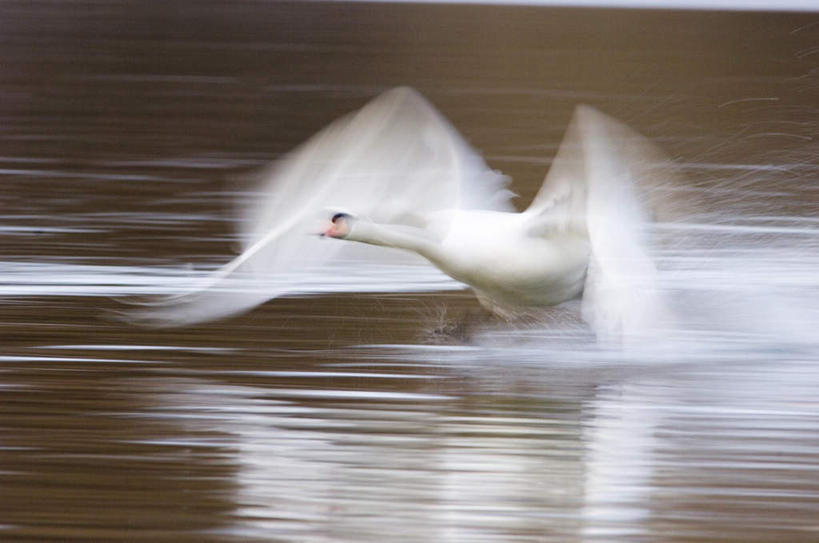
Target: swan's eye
x: 338, y: 216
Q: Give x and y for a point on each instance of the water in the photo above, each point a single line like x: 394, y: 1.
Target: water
x: 397, y: 416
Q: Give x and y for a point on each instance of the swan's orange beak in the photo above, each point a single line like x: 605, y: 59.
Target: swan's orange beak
x: 329, y: 230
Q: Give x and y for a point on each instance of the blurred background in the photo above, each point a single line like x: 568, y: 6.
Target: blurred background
x: 124, y: 126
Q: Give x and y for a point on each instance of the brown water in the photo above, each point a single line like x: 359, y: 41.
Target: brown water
x: 352, y: 417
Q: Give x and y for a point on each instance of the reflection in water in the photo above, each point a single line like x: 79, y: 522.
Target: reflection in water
x: 369, y: 462
x: 652, y: 451
x: 698, y: 431
x: 619, y: 463
x: 333, y: 418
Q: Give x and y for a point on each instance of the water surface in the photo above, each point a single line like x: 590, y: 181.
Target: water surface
x: 397, y: 416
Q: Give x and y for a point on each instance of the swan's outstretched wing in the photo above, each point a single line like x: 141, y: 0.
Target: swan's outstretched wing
x: 394, y: 161
x: 608, y: 183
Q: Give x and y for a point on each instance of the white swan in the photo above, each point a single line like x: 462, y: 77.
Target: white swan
x: 505, y: 257
x: 397, y: 174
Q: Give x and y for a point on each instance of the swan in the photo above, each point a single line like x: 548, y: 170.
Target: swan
x: 501, y: 255
x: 396, y: 174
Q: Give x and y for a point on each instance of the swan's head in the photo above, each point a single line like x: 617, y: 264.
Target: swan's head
x: 340, y: 226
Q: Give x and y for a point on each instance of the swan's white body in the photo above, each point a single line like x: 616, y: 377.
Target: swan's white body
x: 409, y: 181
x: 510, y: 268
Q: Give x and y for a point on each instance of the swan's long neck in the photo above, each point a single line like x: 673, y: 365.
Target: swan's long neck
x: 408, y: 238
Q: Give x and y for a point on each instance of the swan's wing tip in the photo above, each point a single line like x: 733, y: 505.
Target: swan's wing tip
x: 404, y: 93
x: 155, y: 312
x: 585, y: 110
x: 209, y: 303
